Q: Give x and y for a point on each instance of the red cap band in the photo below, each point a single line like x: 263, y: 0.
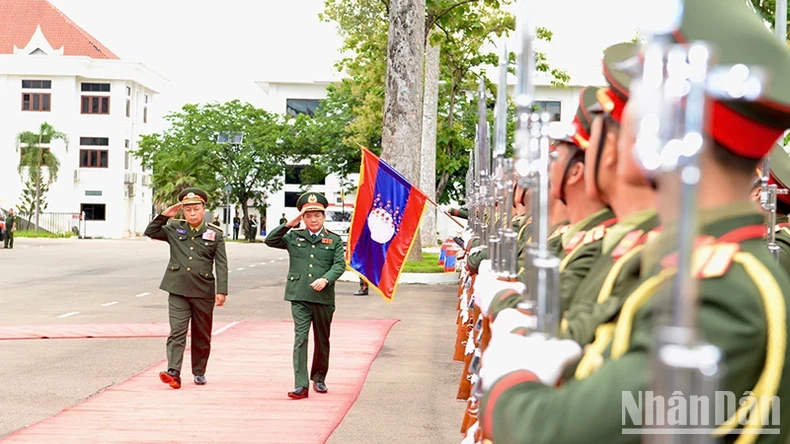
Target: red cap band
x: 581, y: 136
x: 612, y: 103
x: 741, y: 135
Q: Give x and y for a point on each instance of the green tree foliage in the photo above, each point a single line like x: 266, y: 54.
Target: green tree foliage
x: 767, y: 9
x: 353, y: 111
x: 198, y: 149
x: 37, y: 165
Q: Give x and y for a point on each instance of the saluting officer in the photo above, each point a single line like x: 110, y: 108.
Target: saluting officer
x: 195, y: 248
x: 317, y: 260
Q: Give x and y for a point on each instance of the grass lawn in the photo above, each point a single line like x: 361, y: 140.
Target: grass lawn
x: 31, y: 233
x: 429, y: 264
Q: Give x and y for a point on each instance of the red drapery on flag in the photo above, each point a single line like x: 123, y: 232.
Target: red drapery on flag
x: 387, y: 213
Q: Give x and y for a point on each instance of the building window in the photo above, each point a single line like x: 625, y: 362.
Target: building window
x: 294, y: 107
x: 128, y: 101
x: 36, y: 84
x: 128, y: 91
x: 95, y: 141
x: 95, y: 87
x: 302, y: 175
x: 35, y: 101
x: 291, y: 197
x: 22, y: 150
x: 93, y: 158
x: 127, y: 160
x: 553, y: 107
x: 95, y: 105
x: 93, y: 211
x: 145, y: 110
x: 93, y: 193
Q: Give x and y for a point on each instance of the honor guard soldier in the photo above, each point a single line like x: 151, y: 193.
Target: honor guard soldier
x: 196, y: 249
x: 609, y: 166
x: 742, y: 302
x: 317, y: 260
x: 10, y: 228
x: 780, y: 175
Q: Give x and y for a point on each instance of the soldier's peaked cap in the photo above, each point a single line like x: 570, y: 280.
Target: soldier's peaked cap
x: 582, y: 121
x: 612, y: 100
x: 738, y: 35
x: 192, y: 196
x: 311, y: 201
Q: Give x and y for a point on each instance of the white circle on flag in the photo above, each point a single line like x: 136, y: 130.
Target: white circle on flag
x: 382, y: 229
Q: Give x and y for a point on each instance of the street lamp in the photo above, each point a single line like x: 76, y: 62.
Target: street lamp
x: 234, y: 138
x: 228, y: 189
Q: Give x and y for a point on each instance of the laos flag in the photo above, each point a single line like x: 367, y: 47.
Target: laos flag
x: 387, y: 214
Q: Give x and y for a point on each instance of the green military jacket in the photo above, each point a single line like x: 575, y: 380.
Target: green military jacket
x: 10, y: 220
x: 310, y: 259
x: 783, y: 241
x: 194, y: 255
x: 743, y: 311
x: 601, y: 294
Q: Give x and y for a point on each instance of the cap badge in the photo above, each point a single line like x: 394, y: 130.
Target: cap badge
x: 312, y: 199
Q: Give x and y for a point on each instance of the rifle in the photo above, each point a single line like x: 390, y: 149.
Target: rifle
x: 532, y: 163
x: 483, y: 162
x: 670, y: 136
x: 497, y: 186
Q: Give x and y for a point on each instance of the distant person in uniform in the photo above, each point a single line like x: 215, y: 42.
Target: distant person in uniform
x: 236, y: 225
x: 283, y: 220
x: 363, y: 288
x: 316, y: 262
x: 253, y: 231
x: 195, y: 248
x: 10, y: 227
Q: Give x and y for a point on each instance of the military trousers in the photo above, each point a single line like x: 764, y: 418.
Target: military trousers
x: 320, y: 316
x: 182, y: 310
x: 8, y: 240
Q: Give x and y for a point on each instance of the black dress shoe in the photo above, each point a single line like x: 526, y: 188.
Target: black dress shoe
x: 361, y: 293
x: 200, y: 380
x: 299, y: 393
x: 171, y: 377
x: 320, y: 387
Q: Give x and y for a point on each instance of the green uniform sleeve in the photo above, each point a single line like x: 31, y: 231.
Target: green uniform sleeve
x: 575, y: 272
x: 783, y: 241
x: 276, y: 238
x: 338, y: 263
x: 156, y: 228
x: 221, y: 266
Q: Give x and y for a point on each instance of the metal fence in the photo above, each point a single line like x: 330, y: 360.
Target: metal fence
x: 55, y: 223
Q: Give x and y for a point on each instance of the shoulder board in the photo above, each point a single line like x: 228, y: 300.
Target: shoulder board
x: 596, y: 233
x: 559, y: 231
x: 215, y: 227
x: 628, y: 242
x: 575, y: 240
x: 671, y: 260
x: 332, y: 232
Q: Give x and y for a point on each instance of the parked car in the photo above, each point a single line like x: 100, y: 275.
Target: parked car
x: 338, y: 220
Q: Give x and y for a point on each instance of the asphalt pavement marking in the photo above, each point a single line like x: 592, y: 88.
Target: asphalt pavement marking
x: 239, y: 269
x: 225, y: 328
x: 69, y: 314
x: 272, y: 261
x: 108, y: 304
x: 141, y: 295
x: 252, y: 265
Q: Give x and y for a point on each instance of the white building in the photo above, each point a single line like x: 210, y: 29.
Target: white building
x: 53, y: 71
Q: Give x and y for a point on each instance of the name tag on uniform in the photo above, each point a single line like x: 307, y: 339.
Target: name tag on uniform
x: 208, y: 235
x: 181, y: 231
x: 326, y: 240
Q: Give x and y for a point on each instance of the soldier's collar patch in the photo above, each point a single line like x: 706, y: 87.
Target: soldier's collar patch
x: 209, y: 235
x: 181, y: 231
x: 301, y: 239
x: 326, y: 240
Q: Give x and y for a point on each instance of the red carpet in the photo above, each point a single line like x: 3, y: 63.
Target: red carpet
x: 82, y: 331
x: 245, y: 400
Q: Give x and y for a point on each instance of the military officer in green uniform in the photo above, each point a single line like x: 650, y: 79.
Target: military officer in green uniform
x: 743, y: 295
x: 197, y: 248
x: 10, y: 227
x: 317, y: 260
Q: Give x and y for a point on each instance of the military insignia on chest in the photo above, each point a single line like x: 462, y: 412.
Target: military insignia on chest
x: 626, y: 243
x: 575, y: 240
x: 209, y: 235
x: 326, y: 240
x: 181, y: 231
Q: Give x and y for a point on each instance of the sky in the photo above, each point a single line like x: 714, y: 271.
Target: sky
x: 215, y: 51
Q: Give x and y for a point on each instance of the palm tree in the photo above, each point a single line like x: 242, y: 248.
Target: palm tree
x: 35, y: 157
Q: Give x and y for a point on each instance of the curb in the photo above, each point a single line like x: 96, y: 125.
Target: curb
x: 412, y: 278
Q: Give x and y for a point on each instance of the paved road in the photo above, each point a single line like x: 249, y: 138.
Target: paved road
x: 408, y: 396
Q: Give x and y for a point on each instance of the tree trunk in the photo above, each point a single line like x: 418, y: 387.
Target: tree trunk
x: 428, y: 235
x: 402, y: 132
x: 38, y: 180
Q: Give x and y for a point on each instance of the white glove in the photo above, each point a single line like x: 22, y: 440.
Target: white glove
x: 545, y: 358
x: 494, y: 287
x: 509, y: 319
x: 470, y: 434
x: 483, y: 281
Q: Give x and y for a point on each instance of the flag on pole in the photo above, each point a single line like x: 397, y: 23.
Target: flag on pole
x: 387, y: 213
